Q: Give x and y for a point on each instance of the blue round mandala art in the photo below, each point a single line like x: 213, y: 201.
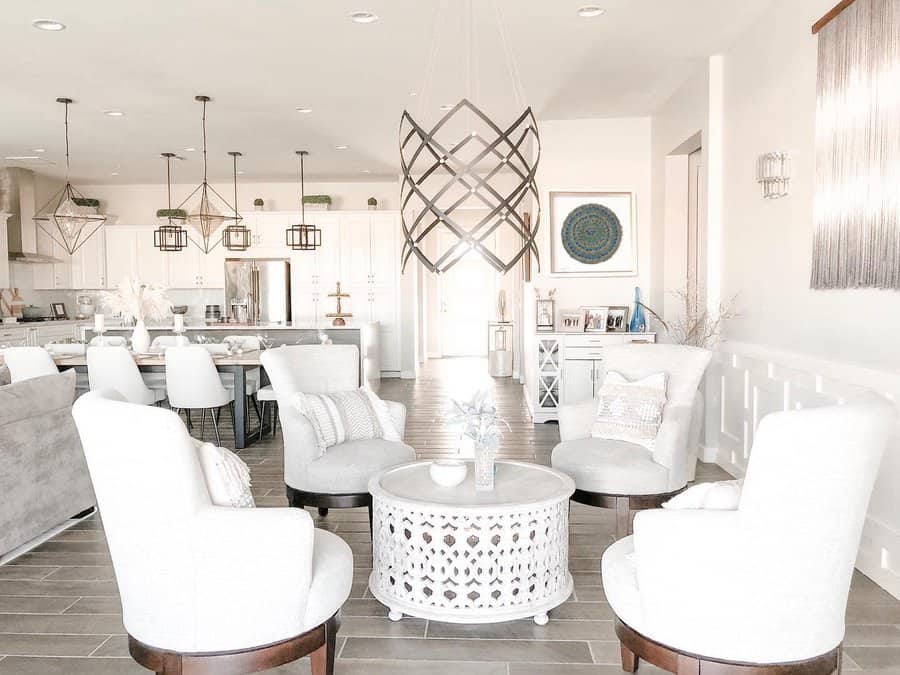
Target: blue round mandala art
x: 591, y: 233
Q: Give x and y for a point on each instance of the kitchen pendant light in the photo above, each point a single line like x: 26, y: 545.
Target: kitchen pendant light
x: 69, y: 218
x: 450, y: 171
x: 303, y: 237
x: 204, y: 216
x: 236, y: 237
x: 170, y: 236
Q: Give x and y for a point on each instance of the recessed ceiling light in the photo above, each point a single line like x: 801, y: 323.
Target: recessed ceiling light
x: 340, y: 147
x: 412, y: 93
x: 447, y: 106
x: 240, y: 173
x: 363, y: 17
x: 114, y: 173
x: 21, y: 157
x: 590, y: 11
x: 190, y: 149
x: 113, y: 113
x: 48, y: 24
x: 39, y: 150
x: 366, y: 171
x: 303, y: 110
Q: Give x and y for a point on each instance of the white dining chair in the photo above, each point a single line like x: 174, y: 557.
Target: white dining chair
x: 205, y: 588
x: 108, y: 341
x: 82, y: 383
x: 160, y: 342
x: 227, y: 348
x: 114, y: 368
x: 25, y: 363
x: 192, y: 382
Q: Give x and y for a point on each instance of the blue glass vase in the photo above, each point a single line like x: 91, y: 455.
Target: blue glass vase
x: 638, y: 323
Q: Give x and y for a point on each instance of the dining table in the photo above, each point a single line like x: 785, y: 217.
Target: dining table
x: 237, y: 364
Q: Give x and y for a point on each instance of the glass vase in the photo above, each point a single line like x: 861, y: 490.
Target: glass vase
x: 484, y: 467
x: 638, y: 323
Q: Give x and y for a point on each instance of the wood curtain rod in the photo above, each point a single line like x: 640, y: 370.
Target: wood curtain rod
x: 831, y: 14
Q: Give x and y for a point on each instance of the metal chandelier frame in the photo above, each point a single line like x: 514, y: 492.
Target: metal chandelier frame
x: 170, y: 236
x: 236, y: 237
x: 70, y: 218
x: 302, y: 236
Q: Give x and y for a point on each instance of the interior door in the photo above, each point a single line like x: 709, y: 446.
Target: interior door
x: 467, y: 297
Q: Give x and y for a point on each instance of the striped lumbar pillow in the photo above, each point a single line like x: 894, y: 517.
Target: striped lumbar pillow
x: 347, y: 416
x: 630, y: 411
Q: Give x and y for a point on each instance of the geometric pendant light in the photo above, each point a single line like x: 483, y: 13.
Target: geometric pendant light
x: 206, y: 213
x: 69, y: 218
x: 236, y: 237
x: 170, y: 235
x: 302, y: 236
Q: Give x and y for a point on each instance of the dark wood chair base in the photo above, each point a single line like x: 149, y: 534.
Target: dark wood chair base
x: 324, y: 501
x: 625, y: 506
x: 635, y: 647
x: 318, y: 643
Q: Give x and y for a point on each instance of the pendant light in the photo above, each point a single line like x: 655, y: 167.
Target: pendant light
x: 236, y: 237
x: 69, y: 218
x: 445, y: 178
x: 204, y: 216
x: 303, y: 237
x: 170, y: 236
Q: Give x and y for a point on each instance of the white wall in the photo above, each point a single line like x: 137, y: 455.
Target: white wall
x: 602, y: 155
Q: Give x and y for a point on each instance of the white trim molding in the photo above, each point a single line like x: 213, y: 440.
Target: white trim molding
x: 746, y: 382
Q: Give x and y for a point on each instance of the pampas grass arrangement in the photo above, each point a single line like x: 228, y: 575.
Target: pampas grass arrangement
x: 136, y: 300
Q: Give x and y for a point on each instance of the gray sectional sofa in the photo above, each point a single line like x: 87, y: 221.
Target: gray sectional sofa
x: 44, y: 479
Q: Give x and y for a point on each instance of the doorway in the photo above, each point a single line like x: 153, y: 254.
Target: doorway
x: 467, y: 294
x: 696, y: 287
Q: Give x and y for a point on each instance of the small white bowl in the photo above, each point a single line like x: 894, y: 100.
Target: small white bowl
x: 448, y: 472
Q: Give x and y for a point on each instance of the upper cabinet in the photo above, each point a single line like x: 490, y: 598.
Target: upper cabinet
x: 88, y: 264
x: 55, y: 275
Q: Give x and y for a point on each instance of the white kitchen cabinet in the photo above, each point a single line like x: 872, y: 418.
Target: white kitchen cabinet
x: 192, y: 268
x: 89, y: 264
x: 328, y: 255
x: 305, y: 301
x: 12, y: 337
x: 579, y: 377
x: 385, y: 249
x: 52, y: 276
x: 4, y: 252
x: 212, y: 267
x: 356, y: 250
x: 130, y: 254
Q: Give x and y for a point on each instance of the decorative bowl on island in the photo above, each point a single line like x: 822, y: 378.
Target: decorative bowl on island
x: 448, y: 472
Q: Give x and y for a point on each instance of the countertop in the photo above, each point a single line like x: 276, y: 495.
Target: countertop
x: 235, y: 326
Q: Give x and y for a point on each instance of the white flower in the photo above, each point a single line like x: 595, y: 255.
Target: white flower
x: 134, y: 299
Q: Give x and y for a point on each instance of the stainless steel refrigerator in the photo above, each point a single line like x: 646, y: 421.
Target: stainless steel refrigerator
x: 258, y: 290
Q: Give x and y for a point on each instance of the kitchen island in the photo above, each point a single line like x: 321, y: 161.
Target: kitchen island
x: 363, y: 335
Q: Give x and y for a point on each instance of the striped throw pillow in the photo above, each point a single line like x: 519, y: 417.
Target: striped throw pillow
x: 346, y: 416
x: 630, y: 411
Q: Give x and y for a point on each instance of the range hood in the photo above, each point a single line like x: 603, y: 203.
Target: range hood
x: 17, y: 198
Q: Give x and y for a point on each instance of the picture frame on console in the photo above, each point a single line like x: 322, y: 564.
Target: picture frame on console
x: 617, y: 320
x: 595, y: 319
x: 571, y: 322
x: 59, y: 310
x: 545, y: 315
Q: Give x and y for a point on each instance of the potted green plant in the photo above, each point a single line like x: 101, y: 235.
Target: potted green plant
x: 258, y: 204
x: 317, y: 202
x: 172, y: 214
x: 373, y: 203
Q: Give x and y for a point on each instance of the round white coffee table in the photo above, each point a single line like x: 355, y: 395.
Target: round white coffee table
x: 462, y: 556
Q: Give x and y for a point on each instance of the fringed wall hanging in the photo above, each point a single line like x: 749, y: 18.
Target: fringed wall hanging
x: 857, y: 202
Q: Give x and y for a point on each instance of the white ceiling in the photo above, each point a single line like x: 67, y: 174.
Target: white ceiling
x: 261, y: 59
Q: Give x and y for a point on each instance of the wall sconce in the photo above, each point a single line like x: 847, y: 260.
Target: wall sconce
x: 773, y: 172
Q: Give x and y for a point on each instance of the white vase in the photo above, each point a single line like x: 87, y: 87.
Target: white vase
x: 140, y: 338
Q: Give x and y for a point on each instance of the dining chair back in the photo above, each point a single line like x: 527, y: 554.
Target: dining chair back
x: 27, y: 362
x: 165, y: 341
x: 114, y: 368
x: 108, y: 341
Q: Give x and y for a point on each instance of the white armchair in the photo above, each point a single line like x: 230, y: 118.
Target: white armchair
x: 625, y: 476
x: 767, y: 583
x: 340, y: 477
x: 205, y: 588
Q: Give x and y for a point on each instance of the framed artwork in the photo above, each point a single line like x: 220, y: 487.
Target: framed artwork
x: 59, y: 310
x: 617, y: 320
x: 571, y: 322
x: 595, y: 319
x: 593, y: 234
x: 545, y: 312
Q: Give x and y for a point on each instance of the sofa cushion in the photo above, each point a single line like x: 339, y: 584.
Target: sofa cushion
x: 227, y: 477
x: 630, y: 410
x: 610, y: 467
x: 349, y: 466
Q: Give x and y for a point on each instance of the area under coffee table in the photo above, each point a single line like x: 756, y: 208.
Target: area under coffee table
x: 464, y: 556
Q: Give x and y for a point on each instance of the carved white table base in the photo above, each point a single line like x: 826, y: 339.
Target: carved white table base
x: 452, y: 555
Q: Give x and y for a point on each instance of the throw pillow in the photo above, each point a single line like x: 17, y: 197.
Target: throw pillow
x: 346, y: 416
x: 721, y: 496
x: 630, y: 411
x: 227, y: 477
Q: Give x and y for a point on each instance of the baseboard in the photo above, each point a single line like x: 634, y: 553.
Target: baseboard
x: 407, y: 375
x: 434, y: 355
x: 390, y: 374
x: 708, y: 455
x: 879, y: 555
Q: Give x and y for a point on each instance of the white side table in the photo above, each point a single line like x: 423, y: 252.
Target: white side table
x: 461, y: 556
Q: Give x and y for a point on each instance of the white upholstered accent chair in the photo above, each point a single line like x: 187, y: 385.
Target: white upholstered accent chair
x: 625, y: 476
x: 765, y: 584
x: 340, y: 477
x: 205, y: 588
x: 192, y: 382
x: 27, y: 362
x: 114, y: 368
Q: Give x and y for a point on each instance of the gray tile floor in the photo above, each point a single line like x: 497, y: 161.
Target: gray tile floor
x: 60, y: 613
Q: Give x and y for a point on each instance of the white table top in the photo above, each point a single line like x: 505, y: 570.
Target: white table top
x: 515, y: 484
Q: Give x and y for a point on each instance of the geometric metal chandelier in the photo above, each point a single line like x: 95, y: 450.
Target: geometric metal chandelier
x: 236, y: 237
x: 170, y: 235
x: 467, y: 176
x: 303, y: 236
x: 69, y: 218
x: 204, y: 215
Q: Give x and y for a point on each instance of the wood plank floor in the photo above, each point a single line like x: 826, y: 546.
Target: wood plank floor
x: 60, y: 613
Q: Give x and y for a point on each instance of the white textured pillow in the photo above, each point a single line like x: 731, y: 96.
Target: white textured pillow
x: 346, y: 416
x: 227, y: 477
x: 630, y: 411
x: 721, y: 496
